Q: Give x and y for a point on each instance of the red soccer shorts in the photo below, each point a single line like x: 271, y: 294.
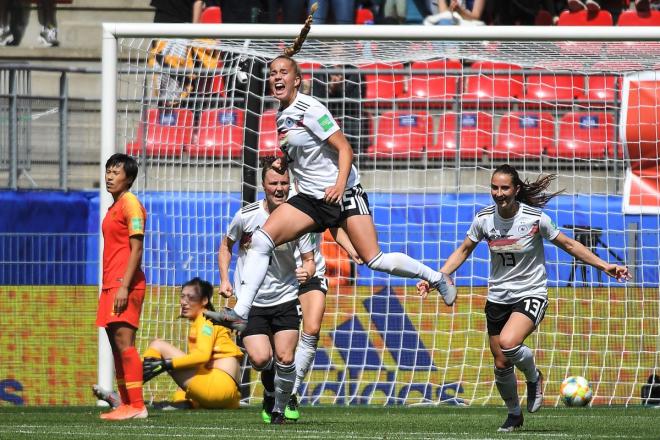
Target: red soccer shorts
x: 106, y: 314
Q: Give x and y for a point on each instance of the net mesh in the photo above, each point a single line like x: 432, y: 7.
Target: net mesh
x: 428, y: 122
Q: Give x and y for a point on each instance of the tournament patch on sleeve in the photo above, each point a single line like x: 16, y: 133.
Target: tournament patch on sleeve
x: 207, y: 330
x: 325, y: 122
x: 136, y: 224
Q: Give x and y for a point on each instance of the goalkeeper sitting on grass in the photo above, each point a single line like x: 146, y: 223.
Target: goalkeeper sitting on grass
x: 209, y: 372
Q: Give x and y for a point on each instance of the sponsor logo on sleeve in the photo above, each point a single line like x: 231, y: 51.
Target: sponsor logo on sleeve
x: 207, y: 330
x: 325, y: 122
x: 136, y: 224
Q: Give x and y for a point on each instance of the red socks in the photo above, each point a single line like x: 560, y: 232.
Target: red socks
x: 132, y: 372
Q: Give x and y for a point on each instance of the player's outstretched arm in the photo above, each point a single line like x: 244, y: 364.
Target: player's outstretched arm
x: 224, y: 258
x: 579, y: 251
x: 454, y: 261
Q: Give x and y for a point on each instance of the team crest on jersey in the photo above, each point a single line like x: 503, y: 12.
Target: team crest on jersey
x: 289, y: 122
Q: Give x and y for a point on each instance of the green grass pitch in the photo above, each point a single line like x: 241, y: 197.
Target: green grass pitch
x: 333, y: 422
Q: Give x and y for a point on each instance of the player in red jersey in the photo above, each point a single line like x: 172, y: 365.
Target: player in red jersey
x: 120, y: 303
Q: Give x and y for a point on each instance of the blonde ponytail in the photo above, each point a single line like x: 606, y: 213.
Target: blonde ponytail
x: 297, y: 44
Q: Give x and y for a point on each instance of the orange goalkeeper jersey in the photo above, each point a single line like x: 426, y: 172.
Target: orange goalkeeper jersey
x: 125, y: 218
x: 206, y: 342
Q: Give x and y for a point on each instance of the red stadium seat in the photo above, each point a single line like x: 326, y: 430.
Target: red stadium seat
x: 584, y: 135
x: 601, y: 88
x: 309, y: 69
x: 337, y: 261
x: 476, y: 135
x: 554, y: 89
x: 492, y: 90
x: 524, y: 135
x: 364, y: 16
x: 212, y: 15
x: 585, y: 18
x: 220, y: 134
x: 268, y: 141
x: 432, y: 89
x: 383, y: 86
x: 637, y: 18
x: 168, y: 131
x: 401, y: 135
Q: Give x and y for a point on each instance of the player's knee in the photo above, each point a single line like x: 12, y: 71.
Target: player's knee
x: 509, y: 341
x: 261, y: 242
x: 312, y: 328
x: 501, y: 362
x: 285, y: 358
x: 260, y: 363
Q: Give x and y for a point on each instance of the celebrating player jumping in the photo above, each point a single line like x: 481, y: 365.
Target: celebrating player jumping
x: 330, y: 194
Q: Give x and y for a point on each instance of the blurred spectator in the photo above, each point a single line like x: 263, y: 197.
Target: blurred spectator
x: 286, y: 11
x: 470, y: 10
x: 177, y: 11
x: 342, y: 10
x: 13, y: 18
x: 395, y: 10
x: 364, y: 16
x: 579, y: 5
x: 523, y: 12
x: 238, y: 11
x: 46, y: 13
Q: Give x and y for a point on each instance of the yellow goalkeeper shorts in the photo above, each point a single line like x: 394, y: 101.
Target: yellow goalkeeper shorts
x: 211, y: 389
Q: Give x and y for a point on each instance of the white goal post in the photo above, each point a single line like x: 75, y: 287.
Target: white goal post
x: 425, y: 161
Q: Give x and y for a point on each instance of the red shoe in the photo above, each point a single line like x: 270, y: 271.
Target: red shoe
x: 125, y: 412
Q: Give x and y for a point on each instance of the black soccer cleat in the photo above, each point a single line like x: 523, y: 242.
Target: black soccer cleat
x: 227, y: 318
x: 535, y: 394
x: 277, y: 418
x: 511, y: 423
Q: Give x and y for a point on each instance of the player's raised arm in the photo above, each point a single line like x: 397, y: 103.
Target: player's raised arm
x: 580, y: 252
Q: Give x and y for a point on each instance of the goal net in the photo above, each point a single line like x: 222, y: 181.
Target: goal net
x: 429, y: 118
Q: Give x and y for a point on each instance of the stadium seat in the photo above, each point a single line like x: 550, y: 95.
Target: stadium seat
x: 432, y: 89
x: 401, y: 135
x: 268, y: 141
x: 220, y: 134
x: 168, y: 131
x: 211, y: 15
x: 384, y: 86
x: 337, y: 261
x: 601, y: 87
x: 524, y: 135
x: 637, y: 18
x: 585, y: 18
x: 584, y: 135
x: 486, y: 89
x: 476, y: 135
x: 552, y: 89
x: 364, y: 16
x: 309, y: 69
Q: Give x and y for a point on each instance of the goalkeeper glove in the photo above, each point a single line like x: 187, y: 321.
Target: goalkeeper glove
x: 152, y: 367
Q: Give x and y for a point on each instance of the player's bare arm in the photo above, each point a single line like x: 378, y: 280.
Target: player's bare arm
x: 224, y: 258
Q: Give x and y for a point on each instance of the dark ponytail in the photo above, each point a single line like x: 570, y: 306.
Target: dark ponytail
x: 532, y: 194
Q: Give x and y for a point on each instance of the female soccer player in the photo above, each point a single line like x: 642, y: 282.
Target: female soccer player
x: 330, y: 195
x: 120, y: 303
x: 514, y: 229
x: 209, y: 373
x: 271, y: 334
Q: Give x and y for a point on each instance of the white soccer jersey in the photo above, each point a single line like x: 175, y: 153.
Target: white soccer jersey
x: 517, y: 261
x: 280, y: 284
x: 303, y: 129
